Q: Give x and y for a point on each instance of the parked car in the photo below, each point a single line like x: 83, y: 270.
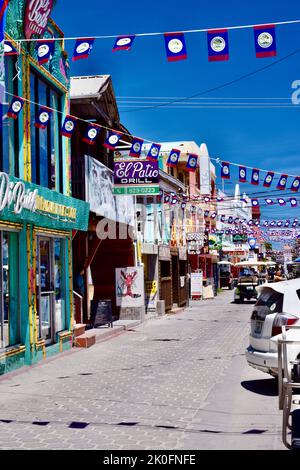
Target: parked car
x: 277, y: 304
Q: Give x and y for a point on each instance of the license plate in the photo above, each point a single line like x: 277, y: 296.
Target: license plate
x: 258, y: 327
x: 249, y: 288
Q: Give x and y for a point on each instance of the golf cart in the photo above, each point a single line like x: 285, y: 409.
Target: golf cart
x: 249, y: 278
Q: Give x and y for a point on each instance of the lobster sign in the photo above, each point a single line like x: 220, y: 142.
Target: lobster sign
x: 36, y: 17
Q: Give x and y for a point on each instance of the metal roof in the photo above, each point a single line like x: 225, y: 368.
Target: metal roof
x: 88, y: 87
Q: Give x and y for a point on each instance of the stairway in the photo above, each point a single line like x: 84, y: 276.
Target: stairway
x: 83, y: 339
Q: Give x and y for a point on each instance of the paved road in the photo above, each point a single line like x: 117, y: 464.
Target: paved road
x: 178, y: 382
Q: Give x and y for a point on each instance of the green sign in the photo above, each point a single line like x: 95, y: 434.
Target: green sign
x: 136, y: 190
x: 23, y: 202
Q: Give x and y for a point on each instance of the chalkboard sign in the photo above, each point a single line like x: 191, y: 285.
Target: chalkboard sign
x: 101, y: 313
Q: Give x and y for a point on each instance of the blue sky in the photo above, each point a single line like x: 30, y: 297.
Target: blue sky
x: 266, y: 138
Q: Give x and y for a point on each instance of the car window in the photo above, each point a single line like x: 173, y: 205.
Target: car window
x: 271, y: 299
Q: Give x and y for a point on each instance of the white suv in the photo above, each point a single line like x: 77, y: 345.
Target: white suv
x: 278, y: 304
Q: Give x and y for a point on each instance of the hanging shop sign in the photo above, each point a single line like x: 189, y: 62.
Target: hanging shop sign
x: 130, y: 287
x: 21, y: 201
x: 99, y: 183
x: 36, y: 18
x: 136, y: 177
x: 195, y: 242
x: 205, y: 175
x: 239, y: 238
x: 182, y: 253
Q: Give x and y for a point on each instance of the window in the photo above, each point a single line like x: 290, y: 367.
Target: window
x: 9, y: 146
x: 9, y: 296
x: 46, y: 147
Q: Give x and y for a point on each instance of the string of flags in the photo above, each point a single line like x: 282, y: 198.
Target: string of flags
x: 264, y: 37
x: 255, y: 177
x: 43, y: 118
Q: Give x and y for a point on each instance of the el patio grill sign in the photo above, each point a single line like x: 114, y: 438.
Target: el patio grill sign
x: 36, y: 17
x: 132, y: 177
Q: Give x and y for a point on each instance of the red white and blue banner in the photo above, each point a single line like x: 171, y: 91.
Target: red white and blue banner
x: 242, y: 174
x: 175, y: 46
x: 268, y: 179
x: 15, y: 107
x: 136, y: 147
x: 225, y: 170
x: 282, y: 182
x: 173, y: 158
x: 83, y: 48
x: 112, y: 140
x: 293, y: 202
x: 153, y: 153
x: 9, y: 48
x: 43, y: 117
x: 255, y: 176
x: 295, y: 184
x: 123, y: 43
x: 255, y: 202
x: 192, y: 163
x: 45, y: 51
x: 91, y: 134
x: 265, y: 41
x: 269, y: 201
x: 218, y: 46
x: 281, y: 201
x: 68, y: 126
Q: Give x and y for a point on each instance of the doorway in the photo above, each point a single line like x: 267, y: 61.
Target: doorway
x: 51, y: 314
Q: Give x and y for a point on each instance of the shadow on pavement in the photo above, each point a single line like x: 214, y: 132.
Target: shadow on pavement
x: 267, y: 387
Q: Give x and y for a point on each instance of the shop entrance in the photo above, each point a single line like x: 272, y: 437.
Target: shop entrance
x: 50, y: 288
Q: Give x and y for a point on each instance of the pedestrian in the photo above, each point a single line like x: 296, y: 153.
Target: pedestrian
x: 79, y: 282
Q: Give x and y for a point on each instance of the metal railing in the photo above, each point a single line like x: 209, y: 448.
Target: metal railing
x: 80, y: 298
x: 285, y: 381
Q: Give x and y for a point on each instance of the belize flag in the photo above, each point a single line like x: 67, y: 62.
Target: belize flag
x: 293, y: 201
x: 242, y: 174
x: 112, y: 140
x: 153, y: 153
x: 136, y: 147
x: 68, y: 126
x: 91, y: 134
x: 9, y: 49
x: 218, y: 46
x: 269, y: 201
x: 223, y: 218
x: 43, y: 117
x: 45, y: 51
x: 123, y: 43
x: 192, y: 163
x: 295, y: 184
x: 265, y: 41
x: 282, y: 182
x: 173, y: 158
x: 175, y: 46
x: 268, y: 179
x: 15, y: 107
x: 281, y: 202
x: 225, y: 171
x: 83, y: 48
x: 255, y: 202
x: 255, y: 176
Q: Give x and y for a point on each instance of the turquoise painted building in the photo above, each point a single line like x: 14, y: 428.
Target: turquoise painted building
x: 37, y: 213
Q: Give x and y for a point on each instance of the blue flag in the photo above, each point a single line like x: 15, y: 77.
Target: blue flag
x: 265, y: 41
x: 68, y: 126
x: 91, y: 134
x: 112, y: 140
x: 83, y: 48
x: 136, y: 147
x: 192, y: 163
x: 43, y: 117
x: 218, y: 46
x: 15, y: 107
x: 268, y: 179
x: 242, y: 174
x: 255, y: 176
x: 153, y: 153
x: 123, y: 43
x: 175, y: 46
x: 9, y: 48
x: 225, y: 171
x: 295, y: 184
x: 45, y: 51
x: 282, y: 182
x: 173, y: 158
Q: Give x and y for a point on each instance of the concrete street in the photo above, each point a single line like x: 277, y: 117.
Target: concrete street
x: 178, y: 382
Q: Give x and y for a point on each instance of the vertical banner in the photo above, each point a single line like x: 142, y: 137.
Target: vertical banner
x: 205, y: 182
x: 265, y: 41
x: 3, y: 4
x: 217, y: 42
